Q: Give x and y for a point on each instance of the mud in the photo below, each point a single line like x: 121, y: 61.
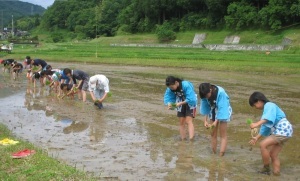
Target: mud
x: 135, y: 138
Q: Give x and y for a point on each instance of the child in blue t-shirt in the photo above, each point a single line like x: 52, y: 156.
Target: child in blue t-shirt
x: 180, y: 95
x: 274, y: 126
x: 215, y: 106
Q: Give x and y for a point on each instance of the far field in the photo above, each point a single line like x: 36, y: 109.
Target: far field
x: 100, y: 51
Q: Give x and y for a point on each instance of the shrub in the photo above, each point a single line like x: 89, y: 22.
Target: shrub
x: 165, y: 32
x: 57, y: 37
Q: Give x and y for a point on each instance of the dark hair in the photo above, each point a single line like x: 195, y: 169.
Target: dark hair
x: 27, y: 57
x: 67, y: 71
x: 257, y: 96
x: 48, y: 67
x: 63, y: 85
x: 170, y: 80
x: 36, y: 75
x: 48, y: 72
x: 43, y: 73
x: 204, y: 89
x: 28, y: 61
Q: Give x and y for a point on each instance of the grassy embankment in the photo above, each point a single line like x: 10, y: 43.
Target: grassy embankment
x: 34, y: 167
x: 100, y: 51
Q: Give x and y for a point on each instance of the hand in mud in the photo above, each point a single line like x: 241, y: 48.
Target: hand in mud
x: 253, y: 141
x: 214, y: 124
x: 97, y: 101
x: 206, y: 124
x: 58, y: 96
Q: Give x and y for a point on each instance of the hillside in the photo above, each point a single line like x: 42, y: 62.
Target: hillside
x: 89, y: 19
x: 18, y: 9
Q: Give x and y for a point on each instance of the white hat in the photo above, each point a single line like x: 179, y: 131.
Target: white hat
x: 93, y: 81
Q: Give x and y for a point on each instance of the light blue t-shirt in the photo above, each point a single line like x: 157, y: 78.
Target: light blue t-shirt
x: 276, y: 121
x: 223, y: 108
x: 188, y: 93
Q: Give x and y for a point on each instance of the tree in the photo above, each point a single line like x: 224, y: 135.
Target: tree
x: 277, y: 14
x: 241, y: 15
x: 108, y: 23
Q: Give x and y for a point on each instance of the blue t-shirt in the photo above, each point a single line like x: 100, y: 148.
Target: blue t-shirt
x: 276, y: 121
x: 223, y: 108
x: 63, y: 76
x: 188, y: 93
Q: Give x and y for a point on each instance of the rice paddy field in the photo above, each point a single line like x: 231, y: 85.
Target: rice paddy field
x: 134, y: 136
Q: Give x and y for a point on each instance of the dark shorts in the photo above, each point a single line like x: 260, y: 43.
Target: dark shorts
x: 187, y: 111
x: 18, y: 70
x: 84, y: 85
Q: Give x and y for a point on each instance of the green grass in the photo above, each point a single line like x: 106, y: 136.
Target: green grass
x: 100, y: 51
x: 280, y: 62
x: 34, y: 167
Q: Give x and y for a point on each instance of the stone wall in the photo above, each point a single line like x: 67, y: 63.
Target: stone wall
x: 222, y: 47
x: 218, y: 47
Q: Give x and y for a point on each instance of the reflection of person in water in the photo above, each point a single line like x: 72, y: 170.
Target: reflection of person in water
x: 97, y: 128
x: 32, y: 100
x: 216, y: 169
x: 75, y: 127
x: 184, y: 169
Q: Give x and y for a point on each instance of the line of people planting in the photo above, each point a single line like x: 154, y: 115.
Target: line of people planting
x: 215, y: 106
x: 66, y: 82
x: 179, y: 95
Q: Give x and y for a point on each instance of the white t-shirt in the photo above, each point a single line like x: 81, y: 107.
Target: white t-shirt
x: 102, y: 83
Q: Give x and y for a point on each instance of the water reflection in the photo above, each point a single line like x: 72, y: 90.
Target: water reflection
x: 217, y: 169
x: 75, y: 127
x: 184, y: 169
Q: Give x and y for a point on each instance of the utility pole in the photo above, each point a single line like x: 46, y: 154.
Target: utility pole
x: 1, y: 21
x: 12, y: 25
x: 96, y: 14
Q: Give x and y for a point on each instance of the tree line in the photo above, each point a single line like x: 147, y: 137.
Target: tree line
x: 25, y: 15
x: 106, y: 17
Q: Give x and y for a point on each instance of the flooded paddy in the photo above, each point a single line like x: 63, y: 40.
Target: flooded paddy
x: 136, y: 138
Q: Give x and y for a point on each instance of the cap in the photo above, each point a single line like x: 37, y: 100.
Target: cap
x: 92, y: 82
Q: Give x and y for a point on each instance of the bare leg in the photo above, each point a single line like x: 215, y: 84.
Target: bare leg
x: 275, y: 159
x: 182, y: 127
x: 223, y: 134
x: 264, y: 144
x: 189, y: 121
x: 83, y: 95
x: 214, y: 136
x: 79, y: 94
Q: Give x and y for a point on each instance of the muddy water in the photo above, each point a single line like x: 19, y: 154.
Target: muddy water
x: 135, y: 138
